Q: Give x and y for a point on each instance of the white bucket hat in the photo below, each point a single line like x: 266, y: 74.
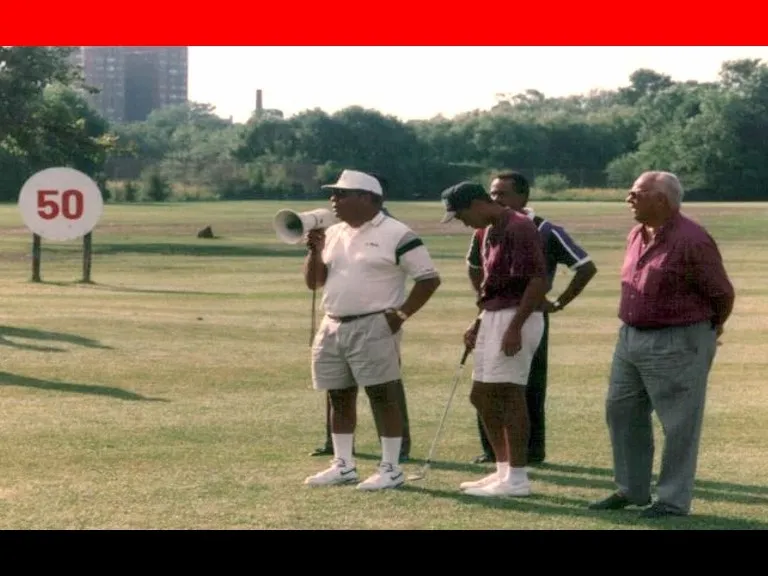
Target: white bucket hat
x: 354, y: 180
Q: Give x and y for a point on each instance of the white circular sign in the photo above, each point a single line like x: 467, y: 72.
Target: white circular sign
x: 60, y: 204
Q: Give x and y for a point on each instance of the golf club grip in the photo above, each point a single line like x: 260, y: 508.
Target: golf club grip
x: 465, y: 356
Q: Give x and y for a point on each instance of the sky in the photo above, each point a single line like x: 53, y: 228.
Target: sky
x: 422, y: 82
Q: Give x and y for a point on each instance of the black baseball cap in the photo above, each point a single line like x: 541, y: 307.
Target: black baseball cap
x: 460, y: 196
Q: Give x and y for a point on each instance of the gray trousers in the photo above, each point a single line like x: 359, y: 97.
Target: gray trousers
x: 663, y: 370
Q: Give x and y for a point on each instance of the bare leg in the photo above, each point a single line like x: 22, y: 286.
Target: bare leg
x: 516, y: 423
x: 485, y: 398
x: 387, y: 411
x: 344, y: 410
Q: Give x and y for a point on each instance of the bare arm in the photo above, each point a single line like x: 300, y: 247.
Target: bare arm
x: 476, y: 279
x: 421, y: 292
x: 413, y: 257
x: 475, y: 265
x: 530, y: 302
x: 581, y: 278
x: 712, y: 280
x: 315, y: 271
x: 528, y: 261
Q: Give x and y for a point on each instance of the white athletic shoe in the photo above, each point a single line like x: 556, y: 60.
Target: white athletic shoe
x: 499, y: 488
x: 387, y: 476
x: 340, y: 472
x: 490, y: 479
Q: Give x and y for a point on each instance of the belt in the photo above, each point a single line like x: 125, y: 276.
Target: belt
x: 344, y: 319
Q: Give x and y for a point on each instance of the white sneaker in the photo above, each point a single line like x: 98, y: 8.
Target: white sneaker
x: 499, y: 488
x: 490, y: 479
x: 340, y: 472
x: 387, y: 476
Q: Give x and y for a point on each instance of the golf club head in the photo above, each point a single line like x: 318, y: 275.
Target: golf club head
x: 420, y: 475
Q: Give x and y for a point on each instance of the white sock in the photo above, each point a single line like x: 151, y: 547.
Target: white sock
x: 390, y: 450
x: 517, y: 475
x: 342, y: 447
x: 502, y: 469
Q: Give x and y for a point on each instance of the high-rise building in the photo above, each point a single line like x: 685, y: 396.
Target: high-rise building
x: 135, y: 80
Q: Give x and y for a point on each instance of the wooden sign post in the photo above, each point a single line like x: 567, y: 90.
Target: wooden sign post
x: 60, y: 204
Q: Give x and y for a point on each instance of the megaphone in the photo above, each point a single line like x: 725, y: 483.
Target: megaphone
x: 291, y: 226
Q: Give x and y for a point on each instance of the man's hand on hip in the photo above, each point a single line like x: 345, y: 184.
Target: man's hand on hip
x: 394, y: 321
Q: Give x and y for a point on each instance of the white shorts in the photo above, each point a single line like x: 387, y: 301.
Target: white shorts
x: 491, y: 365
x: 363, y: 352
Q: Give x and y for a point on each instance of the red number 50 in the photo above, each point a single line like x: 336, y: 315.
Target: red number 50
x: 71, y: 204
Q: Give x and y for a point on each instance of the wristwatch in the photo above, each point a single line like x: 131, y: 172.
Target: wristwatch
x: 557, y: 304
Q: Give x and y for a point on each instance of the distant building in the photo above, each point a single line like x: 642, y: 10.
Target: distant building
x: 133, y: 81
x: 76, y: 57
x: 262, y: 112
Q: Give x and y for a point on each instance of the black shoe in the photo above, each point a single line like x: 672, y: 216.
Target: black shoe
x: 404, y: 457
x: 536, y: 455
x: 483, y: 459
x: 660, y: 510
x: 615, y: 501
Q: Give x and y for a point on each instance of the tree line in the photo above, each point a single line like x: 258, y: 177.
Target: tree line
x: 714, y: 135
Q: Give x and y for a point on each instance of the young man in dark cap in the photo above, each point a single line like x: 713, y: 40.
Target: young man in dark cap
x: 511, y: 189
x: 507, y: 332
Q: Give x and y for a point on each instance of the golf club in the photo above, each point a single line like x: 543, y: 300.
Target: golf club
x: 313, y: 313
x: 423, y: 472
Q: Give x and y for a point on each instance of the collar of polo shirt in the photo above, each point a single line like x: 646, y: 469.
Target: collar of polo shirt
x: 375, y: 221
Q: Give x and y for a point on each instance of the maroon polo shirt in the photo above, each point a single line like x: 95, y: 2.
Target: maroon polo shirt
x: 514, y: 253
x: 676, y: 279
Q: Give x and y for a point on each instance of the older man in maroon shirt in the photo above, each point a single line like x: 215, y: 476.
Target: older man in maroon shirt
x: 675, y: 299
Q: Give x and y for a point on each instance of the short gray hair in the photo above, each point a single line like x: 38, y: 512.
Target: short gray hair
x: 669, y: 185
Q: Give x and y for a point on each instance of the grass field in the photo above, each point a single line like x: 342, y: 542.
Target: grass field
x: 175, y: 391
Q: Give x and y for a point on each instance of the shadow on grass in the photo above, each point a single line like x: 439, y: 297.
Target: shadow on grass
x: 7, y: 379
x: 130, y: 290
x: 201, y: 249
x: 602, y: 479
x: 577, y: 508
x: 703, y: 489
x: 45, y: 336
x: 436, y: 465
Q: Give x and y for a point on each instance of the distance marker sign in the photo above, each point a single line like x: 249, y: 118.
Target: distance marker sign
x: 60, y: 204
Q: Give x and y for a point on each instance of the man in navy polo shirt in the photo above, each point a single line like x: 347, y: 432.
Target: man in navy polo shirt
x: 511, y: 189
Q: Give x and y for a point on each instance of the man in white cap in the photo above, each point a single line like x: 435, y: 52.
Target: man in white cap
x: 405, y: 448
x: 363, y: 263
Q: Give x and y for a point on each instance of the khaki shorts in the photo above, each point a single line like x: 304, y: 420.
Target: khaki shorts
x: 362, y: 352
x: 491, y: 365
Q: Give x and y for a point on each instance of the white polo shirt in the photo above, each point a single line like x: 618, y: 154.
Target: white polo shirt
x: 368, y: 266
